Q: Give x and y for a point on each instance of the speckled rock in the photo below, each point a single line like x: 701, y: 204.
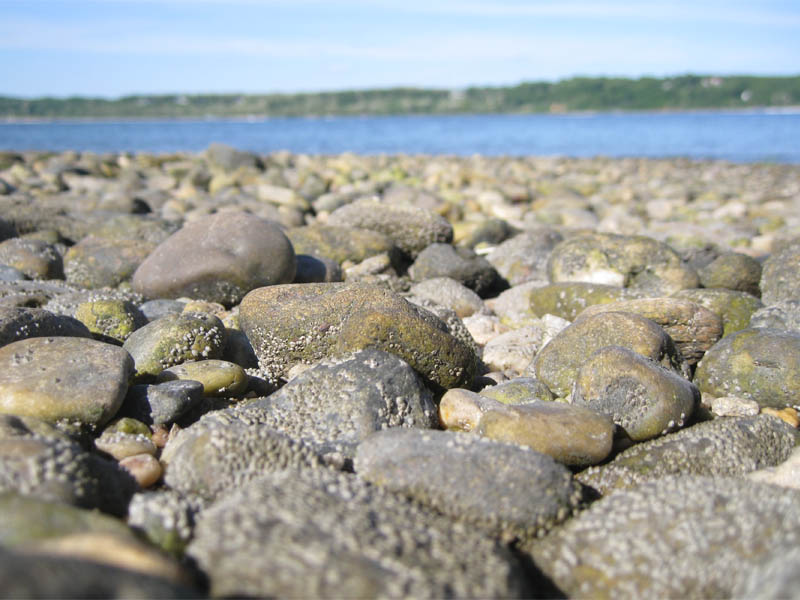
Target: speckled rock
x: 785, y: 474
x: 337, y: 403
x: 120, y: 444
x: 780, y: 279
x: 35, y: 258
x: 558, y: 362
x: 165, y: 517
x: 219, y: 258
x: 459, y: 263
x: 625, y: 261
x: 411, y: 228
x: 733, y: 271
x: 207, y: 458
x: 163, y: 403
x: 293, y: 324
x: 642, y: 397
x: 692, y: 327
x: 161, y: 307
x: 341, y: 243
x: 68, y: 301
x: 724, y: 447
x: 174, y: 339
x: 510, y: 491
x: 774, y: 578
x: 758, y: 364
x: 17, y: 426
x: 63, y: 378
x: 11, y: 274
x: 781, y: 315
x: 516, y: 349
x: 97, y: 262
x: 681, y: 537
x: 524, y: 257
x: 450, y: 293
x: 735, y: 308
x: 218, y: 377
x: 520, y: 390
x: 331, y: 535
x: 111, y: 321
x: 19, y: 323
x: 55, y: 470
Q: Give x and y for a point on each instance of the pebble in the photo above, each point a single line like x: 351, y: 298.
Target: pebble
x: 459, y: 263
x: 111, y: 321
x: 524, y: 257
x: 163, y: 403
x: 97, y: 262
x: 450, y: 293
x: 218, y: 377
x: 35, y: 258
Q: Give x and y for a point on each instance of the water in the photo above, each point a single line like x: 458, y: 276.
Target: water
x: 735, y: 136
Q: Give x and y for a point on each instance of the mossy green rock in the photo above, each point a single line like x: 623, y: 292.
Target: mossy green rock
x: 558, y: 362
x: 63, y: 379
x: 622, y: 260
x: 303, y: 323
x: 174, y: 339
x: 733, y: 271
x: 724, y: 447
x: 681, y: 537
x: 567, y: 300
x: 758, y: 364
x: 219, y: 377
x: 735, y: 308
x: 692, y: 327
x: 110, y: 321
x: 97, y: 262
x: 340, y: 243
x: 780, y: 278
x: 639, y: 395
x: 521, y: 390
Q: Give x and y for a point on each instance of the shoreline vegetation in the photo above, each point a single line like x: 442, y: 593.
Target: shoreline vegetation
x: 575, y: 95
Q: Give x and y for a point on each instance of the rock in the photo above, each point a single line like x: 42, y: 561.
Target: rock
x: 63, y: 378
x: 20, y: 323
x: 228, y: 159
x: 756, y: 364
x: 774, y: 578
x: 484, y: 328
x: 732, y: 406
x: 785, y: 474
x: 781, y: 315
x: 111, y: 321
x: 35, y: 258
x: 450, y: 293
x: 510, y: 491
x: 516, y: 349
x: 16, y: 426
x: 97, y: 262
x: 488, y: 232
x: 161, y: 404
x: 524, y: 257
x: 733, y: 271
x: 337, y: 403
x: 787, y: 415
x: 725, y: 447
x: 462, y: 410
x: 11, y: 274
x: 293, y: 324
x: 7, y: 230
x: 120, y: 445
x: 333, y: 535
x: 735, y: 308
x: 642, y: 397
x: 412, y: 229
x: 174, y: 339
x: 206, y: 458
x: 311, y: 269
x: 625, y: 261
x: 67, y: 302
x: 780, y: 279
x: 144, y: 468
x: 461, y: 264
x: 341, y: 243
x: 218, y: 377
x: 680, y: 537
x: 218, y: 258
x: 692, y: 327
x: 165, y: 517
x: 521, y: 390
x: 558, y: 362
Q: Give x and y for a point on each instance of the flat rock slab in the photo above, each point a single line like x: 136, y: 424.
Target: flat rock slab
x: 64, y: 378
x: 680, y: 537
x: 511, y: 491
x: 323, y: 534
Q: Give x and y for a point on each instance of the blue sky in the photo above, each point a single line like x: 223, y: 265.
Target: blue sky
x: 116, y: 47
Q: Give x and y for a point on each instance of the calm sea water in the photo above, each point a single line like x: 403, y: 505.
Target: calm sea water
x: 734, y: 136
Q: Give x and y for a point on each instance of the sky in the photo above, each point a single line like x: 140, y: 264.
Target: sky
x: 111, y: 48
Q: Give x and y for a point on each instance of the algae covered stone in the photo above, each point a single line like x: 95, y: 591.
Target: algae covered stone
x: 732, y: 271
x: 97, y: 262
x: 520, y: 390
x: 341, y: 243
x: 63, y: 379
x: 780, y: 278
x: 111, y: 320
x: 757, y: 364
x: 734, y: 307
x: 568, y: 299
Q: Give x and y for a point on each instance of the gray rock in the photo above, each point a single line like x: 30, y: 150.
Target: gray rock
x: 162, y: 403
x: 227, y: 159
x: 97, y: 262
x: 510, y: 491
x: 165, y: 517
x: 35, y: 258
x: 459, y: 263
x: 735, y: 308
x: 19, y: 323
x: 332, y: 535
x: 337, y: 403
x: 67, y: 301
x: 756, y: 364
x: 11, y: 274
x: 16, y: 426
x: 781, y: 315
x: 63, y: 379
x: 218, y: 258
x: 680, y: 537
x: 524, y: 257
x: 724, y: 447
x: 450, y: 293
x: 161, y: 307
x: 733, y: 271
x: 311, y: 269
x: 341, y: 243
x: 780, y: 279
x: 775, y: 578
x: 515, y: 349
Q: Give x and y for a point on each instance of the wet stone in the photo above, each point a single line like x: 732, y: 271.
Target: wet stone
x: 19, y: 323
x: 724, y: 447
x: 174, y: 339
x: 219, y: 377
x: 163, y: 403
x: 63, y: 378
x: 510, y: 491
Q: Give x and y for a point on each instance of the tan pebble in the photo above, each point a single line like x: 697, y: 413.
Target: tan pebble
x: 788, y: 414
x: 462, y: 410
x: 145, y: 468
x: 160, y: 436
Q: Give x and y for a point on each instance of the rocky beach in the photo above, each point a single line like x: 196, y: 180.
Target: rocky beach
x: 231, y: 374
